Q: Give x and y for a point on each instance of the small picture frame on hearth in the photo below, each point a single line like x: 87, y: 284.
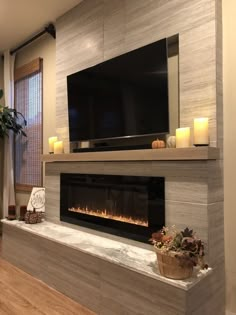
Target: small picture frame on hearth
x: 37, y: 200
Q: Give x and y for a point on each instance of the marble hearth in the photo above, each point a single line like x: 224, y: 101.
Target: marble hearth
x: 107, y: 276
x: 135, y: 258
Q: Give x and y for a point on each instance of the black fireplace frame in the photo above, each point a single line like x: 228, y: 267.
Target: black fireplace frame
x: 123, y: 229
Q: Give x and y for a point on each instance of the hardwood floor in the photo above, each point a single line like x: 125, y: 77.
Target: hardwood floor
x: 21, y: 294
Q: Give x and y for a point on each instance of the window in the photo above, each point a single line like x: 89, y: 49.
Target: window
x: 28, y: 101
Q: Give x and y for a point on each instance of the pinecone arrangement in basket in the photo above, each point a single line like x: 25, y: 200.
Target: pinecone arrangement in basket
x: 32, y: 217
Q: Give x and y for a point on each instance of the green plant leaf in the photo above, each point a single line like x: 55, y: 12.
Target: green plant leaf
x: 11, y: 119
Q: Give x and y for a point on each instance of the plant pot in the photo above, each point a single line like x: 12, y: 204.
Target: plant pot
x: 170, y: 267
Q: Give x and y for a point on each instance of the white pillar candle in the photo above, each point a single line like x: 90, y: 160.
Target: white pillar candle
x: 58, y: 147
x: 200, y: 134
x: 51, y: 141
x: 84, y: 144
x: 182, y: 137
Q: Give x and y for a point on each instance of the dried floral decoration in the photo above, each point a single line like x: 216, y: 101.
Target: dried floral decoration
x: 188, y: 248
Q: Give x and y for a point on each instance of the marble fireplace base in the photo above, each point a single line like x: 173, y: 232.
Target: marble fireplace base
x: 107, y: 276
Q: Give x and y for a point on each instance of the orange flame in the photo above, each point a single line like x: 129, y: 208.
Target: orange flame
x: 107, y: 215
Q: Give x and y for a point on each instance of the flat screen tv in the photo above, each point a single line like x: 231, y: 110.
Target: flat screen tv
x: 126, y: 96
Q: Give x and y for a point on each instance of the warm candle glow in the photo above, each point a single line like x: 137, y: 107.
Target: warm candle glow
x: 84, y: 144
x: 200, y: 136
x: 58, y: 147
x: 183, y: 137
x: 51, y: 141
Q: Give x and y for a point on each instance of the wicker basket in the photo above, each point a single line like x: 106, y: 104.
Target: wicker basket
x: 170, y: 267
x: 32, y: 217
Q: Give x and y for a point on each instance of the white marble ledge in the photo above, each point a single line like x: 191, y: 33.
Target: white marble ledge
x: 129, y: 256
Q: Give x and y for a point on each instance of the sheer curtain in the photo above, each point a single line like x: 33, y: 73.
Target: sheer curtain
x: 8, y: 169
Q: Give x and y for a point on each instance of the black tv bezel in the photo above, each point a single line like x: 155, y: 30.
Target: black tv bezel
x: 126, y: 137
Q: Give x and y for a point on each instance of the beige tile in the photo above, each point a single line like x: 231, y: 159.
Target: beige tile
x: 52, y: 198
x: 123, y: 291
x: 149, y: 21
x: 192, y: 215
x: 216, y: 234
x: 79, y: 45
x: 16, y: 250
x: 178, y: 169
x: 211, y: 301
x: 197, y: 76
x: 186, y: 189
x: 73, y: 273
x: 114, y: 28
x: 215, y: 181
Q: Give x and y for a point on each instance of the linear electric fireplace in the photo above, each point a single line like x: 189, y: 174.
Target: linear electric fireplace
x: 128, y: 206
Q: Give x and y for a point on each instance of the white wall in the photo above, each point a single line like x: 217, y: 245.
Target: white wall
x: 1, y: 73
x: 1, y: 143
x: 229, y: 90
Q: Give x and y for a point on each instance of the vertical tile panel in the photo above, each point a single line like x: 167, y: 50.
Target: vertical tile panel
x: 114, y: 28
x: 197, y: 75
x: 79, y: 45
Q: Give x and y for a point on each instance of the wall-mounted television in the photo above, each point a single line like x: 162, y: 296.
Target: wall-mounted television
x: 126, y: 96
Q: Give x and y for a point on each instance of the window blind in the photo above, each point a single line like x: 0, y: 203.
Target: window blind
x: 28, y: 101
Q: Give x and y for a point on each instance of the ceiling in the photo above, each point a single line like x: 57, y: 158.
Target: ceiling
x: 22, y: 19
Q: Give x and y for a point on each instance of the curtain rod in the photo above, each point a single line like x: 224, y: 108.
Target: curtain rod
x: 50, y: 29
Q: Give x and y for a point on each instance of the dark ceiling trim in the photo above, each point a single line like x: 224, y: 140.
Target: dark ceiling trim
x: 50, y: 29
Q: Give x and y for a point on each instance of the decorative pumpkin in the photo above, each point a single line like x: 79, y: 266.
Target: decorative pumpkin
x: 158, y: 144
x: 171, y: 142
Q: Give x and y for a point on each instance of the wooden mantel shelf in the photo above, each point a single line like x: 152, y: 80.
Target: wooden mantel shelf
x: 182, y: 154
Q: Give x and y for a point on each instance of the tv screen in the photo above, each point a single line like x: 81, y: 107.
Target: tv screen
x: 124, y: 96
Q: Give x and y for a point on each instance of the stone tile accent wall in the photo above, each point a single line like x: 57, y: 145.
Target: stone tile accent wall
x: 97, y: 30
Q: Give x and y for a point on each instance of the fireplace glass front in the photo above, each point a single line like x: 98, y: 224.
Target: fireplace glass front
x: 128, y: 206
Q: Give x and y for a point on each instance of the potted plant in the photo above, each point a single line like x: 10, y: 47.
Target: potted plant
x: 11, y: 119
x: 178, y: 252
